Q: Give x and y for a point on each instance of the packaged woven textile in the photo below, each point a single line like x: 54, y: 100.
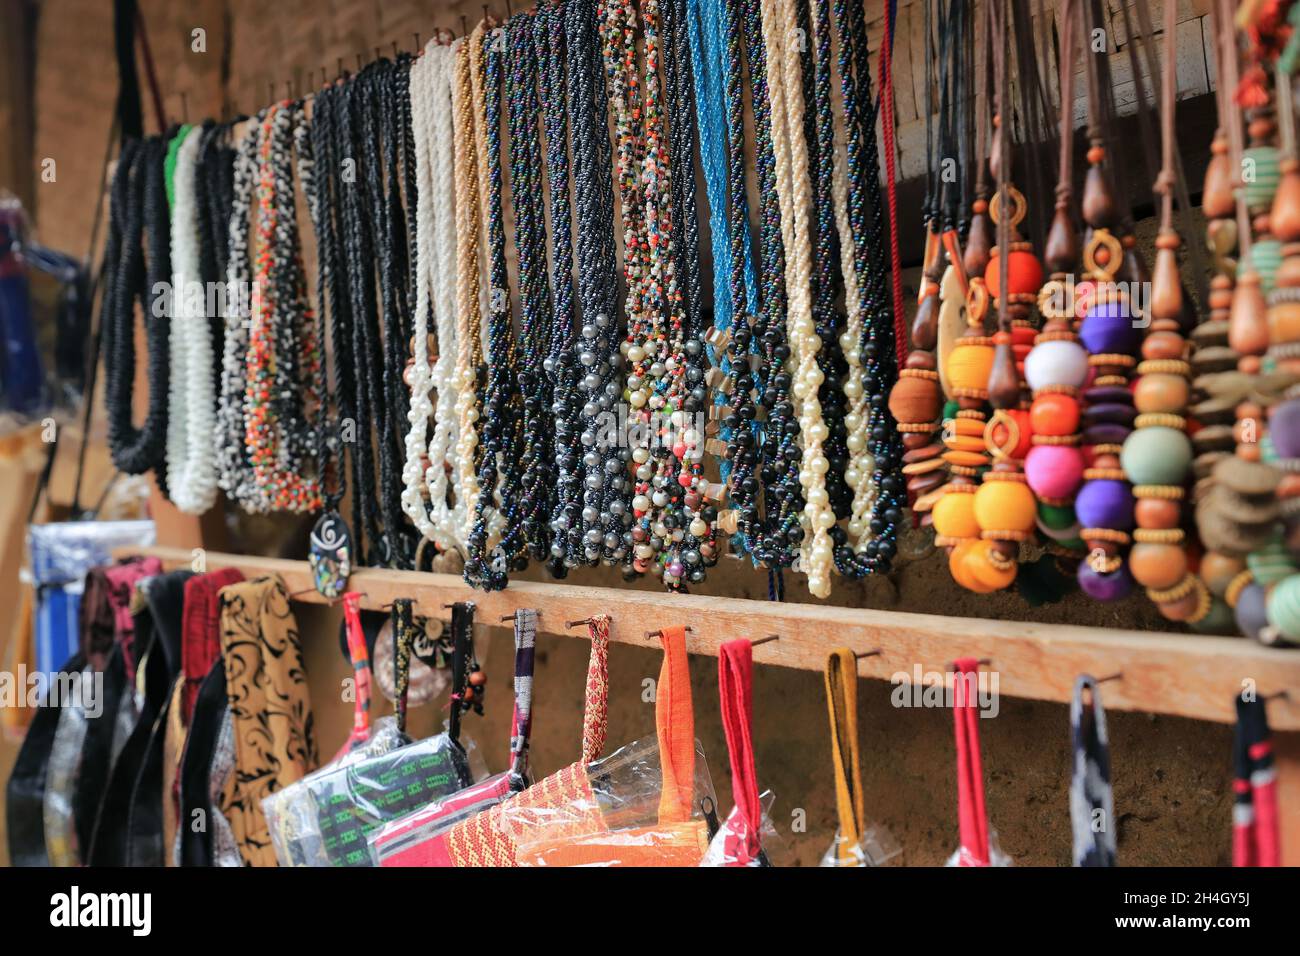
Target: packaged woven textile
x: 414, y: 839
x: 641, y: 806
x: 325, y: 818
x: 61, y: 554
x: 856, y: 843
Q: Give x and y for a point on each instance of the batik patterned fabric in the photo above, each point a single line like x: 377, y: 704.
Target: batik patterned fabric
x: 1092, y: 807
x: 274, y: 742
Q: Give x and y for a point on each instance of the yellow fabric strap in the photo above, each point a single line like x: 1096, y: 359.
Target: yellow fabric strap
x: 842, y: 703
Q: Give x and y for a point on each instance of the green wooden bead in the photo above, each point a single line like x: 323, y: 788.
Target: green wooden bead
x: 1265, y: 257
x: 1156, y: 456
x: 1260, y: 175
x: 1271, y: 563
x: 1284, y: 607
x: 1055, y: 517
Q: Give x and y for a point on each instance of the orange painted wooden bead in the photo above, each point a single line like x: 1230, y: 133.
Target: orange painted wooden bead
x: 915, y: 400
x: 954, y: 516
x: 1054, y: 414
x: 988, y: 576
x: 1163, y: 345
x: 1183, y: 608
x: 1217, y: 571
x: 968, y: 366
x: 1157, y: 513
x: 1161, y: 393
x: 1005, y: 506
x: 1284, y: 322
x: 1157, y: 565
x: 1024, y: 274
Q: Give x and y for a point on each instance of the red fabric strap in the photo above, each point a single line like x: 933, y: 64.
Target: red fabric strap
x: 736, y: 688
x: 972, y: 820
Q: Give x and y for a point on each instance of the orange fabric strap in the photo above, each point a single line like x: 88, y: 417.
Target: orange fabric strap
x: 675, y: 723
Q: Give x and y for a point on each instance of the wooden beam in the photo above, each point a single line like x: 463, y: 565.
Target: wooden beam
x: 1180, y: 674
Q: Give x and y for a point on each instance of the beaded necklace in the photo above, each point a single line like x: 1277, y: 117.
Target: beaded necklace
x: 1104, y: 504
x: 499, y: 471
x: 139, y: 216
x: 670, y: 529
x: 829, y: 325
x: 535, y: 320
x: 778, y: 464
x: 872, y: 439
x: 602, y: 529
x: 234, y: 474
x: 469, y: 288
x: 191, y: 466
x: 1157, y: 455
x: 279, y: 378
x: 425, y: 473
x: 560, y: 365
x: 1057, y: 366
x: 793, y: 191
x: 735, y: 345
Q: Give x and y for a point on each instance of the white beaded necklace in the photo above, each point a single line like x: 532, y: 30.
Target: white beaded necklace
x: 794, y: 193
x: 191, y: 458
x: 430, y: 90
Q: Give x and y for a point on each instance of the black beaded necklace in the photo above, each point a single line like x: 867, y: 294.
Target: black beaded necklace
x: 866, y: 214
x: 502, y: 408
x: 560, y: 365
x: 535, y: 319
x: 783, y: 495
x: 132, y: 273
x: 358, y: 160
x: 829, y: 324
x: 601, y: 529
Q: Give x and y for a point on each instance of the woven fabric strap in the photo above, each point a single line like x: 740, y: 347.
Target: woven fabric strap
x: 971, y: 818
x: 842, y: 705
x: 675, y: 724
x: 736, y: 688
x: 485, y: 839
x: 1255, y: 830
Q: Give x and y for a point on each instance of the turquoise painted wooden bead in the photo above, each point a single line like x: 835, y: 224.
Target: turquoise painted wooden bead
x: 1156, y: 456
x: 1265, y: 257
x: 1260, y: 175
x: 1271, y: 563
x: 1284, y: 607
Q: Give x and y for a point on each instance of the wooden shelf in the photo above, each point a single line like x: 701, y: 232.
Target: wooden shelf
x: 1179, y: 674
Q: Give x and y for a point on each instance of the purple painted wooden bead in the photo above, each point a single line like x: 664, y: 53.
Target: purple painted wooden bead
x: 1113, y: 586
x: 1105, y: 504
x: 1108, y: 327
x: 1284, y: 428
x: 1251, y: 611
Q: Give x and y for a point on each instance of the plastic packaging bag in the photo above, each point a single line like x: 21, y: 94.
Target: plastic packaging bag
x: 735, y: 840
x: 643, y: 805
x: 875, y: 847
x: 413, y: 839
x: 324, y: 818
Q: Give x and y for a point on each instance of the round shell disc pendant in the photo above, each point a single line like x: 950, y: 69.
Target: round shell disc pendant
x: 331, y: 554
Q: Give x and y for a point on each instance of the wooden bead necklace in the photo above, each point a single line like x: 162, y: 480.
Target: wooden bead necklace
x: 1157, y: 455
